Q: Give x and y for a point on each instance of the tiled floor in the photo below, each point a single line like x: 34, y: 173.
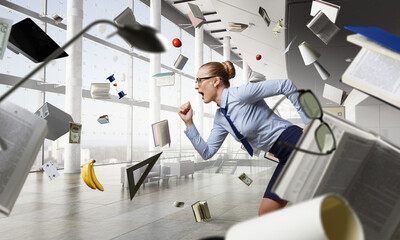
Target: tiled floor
x: 65, y: 208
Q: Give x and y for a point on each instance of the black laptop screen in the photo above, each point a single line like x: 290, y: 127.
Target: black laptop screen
x: 29, y: 39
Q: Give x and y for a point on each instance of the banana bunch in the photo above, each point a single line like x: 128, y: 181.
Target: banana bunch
x: 89, y: 176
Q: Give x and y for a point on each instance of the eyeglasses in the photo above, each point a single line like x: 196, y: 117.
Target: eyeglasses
x: 198, y: 80
x: 312, y: 108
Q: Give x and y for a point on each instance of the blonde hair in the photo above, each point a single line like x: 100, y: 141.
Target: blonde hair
x: 224, y: 70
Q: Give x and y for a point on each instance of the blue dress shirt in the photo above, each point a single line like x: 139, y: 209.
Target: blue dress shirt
x: 248, y: 111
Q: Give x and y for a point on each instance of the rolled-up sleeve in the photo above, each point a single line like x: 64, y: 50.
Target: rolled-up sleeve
x: 253, y: 92
x: 214, y: 141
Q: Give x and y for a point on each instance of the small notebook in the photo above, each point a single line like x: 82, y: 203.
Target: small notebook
x: 180, y: 62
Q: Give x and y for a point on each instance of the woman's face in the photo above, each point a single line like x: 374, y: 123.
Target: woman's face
x: 205, y: 85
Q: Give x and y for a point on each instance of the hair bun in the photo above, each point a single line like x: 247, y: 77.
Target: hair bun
x: 229, y: 68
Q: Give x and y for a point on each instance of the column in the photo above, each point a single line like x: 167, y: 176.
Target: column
x: 178, y: 83
x: 130, y: 85
x: 198, y: 105
x: 155, y: 67
x: 73, y: 82
x: 246, y: 72
x: 227, y: 56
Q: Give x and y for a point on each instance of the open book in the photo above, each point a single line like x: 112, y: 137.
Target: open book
x: 376, y: 68
x: 201, y: 211
x: 161, y: 134
x: 364, y: 169
x: 329, y: 9
x: 322, y: 27
x: 22, y: 134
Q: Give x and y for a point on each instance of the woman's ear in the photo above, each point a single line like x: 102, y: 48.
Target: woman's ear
x: 216, y: 81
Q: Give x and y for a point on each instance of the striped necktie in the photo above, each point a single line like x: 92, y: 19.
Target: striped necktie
x: 242, y: 139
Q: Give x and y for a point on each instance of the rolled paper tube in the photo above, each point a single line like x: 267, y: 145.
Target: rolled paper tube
x: 325, y: 217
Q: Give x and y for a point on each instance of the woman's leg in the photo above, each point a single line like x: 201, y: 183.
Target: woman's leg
x: 268, y: 205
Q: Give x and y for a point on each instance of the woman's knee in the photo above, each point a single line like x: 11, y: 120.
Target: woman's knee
x: 270, y: 205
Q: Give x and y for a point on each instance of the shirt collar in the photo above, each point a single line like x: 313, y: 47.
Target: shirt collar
x: 224, y: 98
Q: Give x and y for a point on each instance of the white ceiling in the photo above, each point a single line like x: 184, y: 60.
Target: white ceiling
x: 258, y: 38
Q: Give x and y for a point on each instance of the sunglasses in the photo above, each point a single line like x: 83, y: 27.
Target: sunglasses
x: 198, y: 80
x: 312, y: 108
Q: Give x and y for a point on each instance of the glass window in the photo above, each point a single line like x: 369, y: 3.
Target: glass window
x: 58, y: 7
x: 141, y: 130
x: 169, y: 94
x: 111, y: 62
x: 106, y: 143
x: 170, y: 31
x: 188, y: 51
x: 141, y: 78
x: 95, y: 10
x: 56, y: 69
x: 142, y: 15
x: 33, y: 5
x: 54, y: 150
x: 17, y: 64
x: 30, y: 100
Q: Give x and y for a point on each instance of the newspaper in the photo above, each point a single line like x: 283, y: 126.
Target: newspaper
x: 5, y: 29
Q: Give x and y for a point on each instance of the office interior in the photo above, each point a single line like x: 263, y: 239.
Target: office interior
x: 65, y: 208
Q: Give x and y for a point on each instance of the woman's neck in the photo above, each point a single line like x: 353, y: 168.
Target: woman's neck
x: 218, y: 98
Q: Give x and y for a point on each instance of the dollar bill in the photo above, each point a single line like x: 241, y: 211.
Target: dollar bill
x: 5, y: 29
x: 75, y: 132
x: 245, y: 179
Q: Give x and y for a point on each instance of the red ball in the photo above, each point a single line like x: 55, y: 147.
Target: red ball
x: 176, y: 42
x: 258, y: 57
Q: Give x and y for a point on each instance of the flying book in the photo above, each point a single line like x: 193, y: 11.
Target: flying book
x: 376, y: 67
x: 22, y: 134
x: 164, y: 79
x: 161, y: 134
x: 329, y: 9
x: 264, y: 15
x: 236, y: 27
x: 364, y: 169
x: 100, y: 90
x: 57, y: 120
x: 334, y: 94
x: 322, y: 27
x: 195, y: 15
x: 201, y: 211
x: 103, y: 119
x: 180, y: 62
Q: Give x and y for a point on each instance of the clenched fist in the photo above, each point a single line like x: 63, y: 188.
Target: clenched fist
x: 186, y: 114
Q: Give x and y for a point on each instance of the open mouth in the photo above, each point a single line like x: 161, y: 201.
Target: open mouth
x: 202, y: 95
